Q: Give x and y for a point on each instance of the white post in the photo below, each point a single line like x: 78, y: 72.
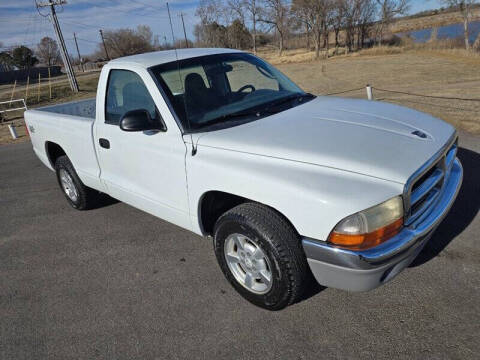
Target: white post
x: 369, y: 93
x: 13, y: 132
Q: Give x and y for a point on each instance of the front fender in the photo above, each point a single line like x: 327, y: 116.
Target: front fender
x: 313, y: 198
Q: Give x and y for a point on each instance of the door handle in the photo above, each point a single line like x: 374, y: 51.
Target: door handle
x: 104, y: 143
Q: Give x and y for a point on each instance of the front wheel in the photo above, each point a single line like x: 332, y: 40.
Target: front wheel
x: 260, y: 254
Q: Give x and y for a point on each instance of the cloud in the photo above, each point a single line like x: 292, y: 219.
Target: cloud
x: 21, y: 24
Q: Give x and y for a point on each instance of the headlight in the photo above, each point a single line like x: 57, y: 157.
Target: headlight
x: 371, y: 227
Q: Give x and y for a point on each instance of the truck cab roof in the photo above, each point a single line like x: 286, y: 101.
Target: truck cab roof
x: 161, y: 57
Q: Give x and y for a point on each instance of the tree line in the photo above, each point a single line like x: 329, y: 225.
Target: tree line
x: 22, y: 57
x: 243, y: 22
x: 352, y: 23
x: 248, y: 24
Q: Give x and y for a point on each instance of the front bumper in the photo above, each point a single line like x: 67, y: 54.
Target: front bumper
x: 365, y: 270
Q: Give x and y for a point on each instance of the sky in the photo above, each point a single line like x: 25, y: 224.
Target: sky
x: 20, y: 23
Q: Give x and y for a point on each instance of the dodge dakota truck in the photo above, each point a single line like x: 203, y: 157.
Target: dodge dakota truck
x: 286, y: 183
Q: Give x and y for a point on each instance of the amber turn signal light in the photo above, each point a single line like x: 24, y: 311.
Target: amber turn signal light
x: 368, y: 240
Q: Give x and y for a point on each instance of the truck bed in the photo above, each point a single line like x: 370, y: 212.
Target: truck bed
x: 83, y: 108
x: 69, y: 126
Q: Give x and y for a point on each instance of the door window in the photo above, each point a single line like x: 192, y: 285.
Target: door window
x: 125, y: 92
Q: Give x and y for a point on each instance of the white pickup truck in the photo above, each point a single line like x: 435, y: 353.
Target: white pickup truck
x: 221, y: 143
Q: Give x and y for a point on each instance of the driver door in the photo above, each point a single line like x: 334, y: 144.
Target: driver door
x: 145, y: 169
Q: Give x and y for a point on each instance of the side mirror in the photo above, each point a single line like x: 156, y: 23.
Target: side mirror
x: 139, y: 120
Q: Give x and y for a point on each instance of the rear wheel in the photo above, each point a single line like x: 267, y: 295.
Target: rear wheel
x: 78, y: 195
x: 260, y: 254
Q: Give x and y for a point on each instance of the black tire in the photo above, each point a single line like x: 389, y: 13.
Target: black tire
x: 280, y: 243
x: 87, y: 197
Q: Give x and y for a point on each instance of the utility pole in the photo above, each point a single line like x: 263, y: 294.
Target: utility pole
x: 63, y: 48
x: 104, y: 46
x: 78, y: 52
x: 184, y: 32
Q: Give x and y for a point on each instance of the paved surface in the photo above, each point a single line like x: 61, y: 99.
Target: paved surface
x: 116, y: 283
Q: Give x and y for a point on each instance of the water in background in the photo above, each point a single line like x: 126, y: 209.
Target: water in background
x: 446, y: 32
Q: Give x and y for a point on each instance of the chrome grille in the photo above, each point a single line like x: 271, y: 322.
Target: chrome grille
x: 425, y: 187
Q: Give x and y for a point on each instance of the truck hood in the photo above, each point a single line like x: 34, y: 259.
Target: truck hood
x: 367, y: 137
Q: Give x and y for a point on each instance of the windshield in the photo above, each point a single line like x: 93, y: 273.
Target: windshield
x: 225, y: 89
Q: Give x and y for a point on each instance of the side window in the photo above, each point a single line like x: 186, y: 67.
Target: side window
x: 125, y: 92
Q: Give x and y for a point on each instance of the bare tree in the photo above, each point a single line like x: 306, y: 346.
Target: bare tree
x: 351, y: 13
x: 366, y: 16
x: 210, y: 31
x: 253, y: 10
x: 247, y: 12
x: 276, y: 14
x: 301, y: 18
x: 388, y: 10
x: 210, y: 11
x: 47, y: 51
x: 123, y: 42
x: 237, y: 10
x: 338, y: 20
x: 465, y: 7
x: 317, y: 14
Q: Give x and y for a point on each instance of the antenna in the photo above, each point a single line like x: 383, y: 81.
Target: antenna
x: 171, y: 28
x: 194, y: 149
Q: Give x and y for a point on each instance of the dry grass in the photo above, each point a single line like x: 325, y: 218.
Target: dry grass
x: 438, y: 73
x: 6, y: 138
x: 432, y: 71
x: 288, y: 57
x: 381, y: 51
x: 61, y: 92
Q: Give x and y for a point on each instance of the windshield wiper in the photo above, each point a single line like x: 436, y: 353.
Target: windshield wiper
x: 288, y: 99
x: 231, y: 117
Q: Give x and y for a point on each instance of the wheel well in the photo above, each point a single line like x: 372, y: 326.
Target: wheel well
x: 213, y: 205
x: 54, y: 151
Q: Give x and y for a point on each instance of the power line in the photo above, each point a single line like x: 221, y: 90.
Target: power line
x: 142, y: 3
x: 89, y: 41
x: 128, y: 12
x: 70, y: 22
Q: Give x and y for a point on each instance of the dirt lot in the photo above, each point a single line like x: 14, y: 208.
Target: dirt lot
x: 60, y: 93
x: 427, y: 73
x: 438, y: 73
